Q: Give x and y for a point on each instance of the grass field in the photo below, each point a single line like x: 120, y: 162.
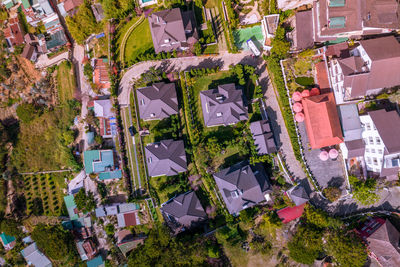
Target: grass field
x: 43, y: 193
x: 122, y: 30
x: 66, y: 81
x: 211, y: 49
x: 139, y: 41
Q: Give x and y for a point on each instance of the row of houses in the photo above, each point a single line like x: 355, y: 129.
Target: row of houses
x: 241, y: 185
x: 31, y: 253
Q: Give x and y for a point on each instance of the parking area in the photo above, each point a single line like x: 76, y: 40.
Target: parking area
x: 327, y: 173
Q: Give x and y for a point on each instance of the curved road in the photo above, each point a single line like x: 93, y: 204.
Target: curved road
x: 390, y: 198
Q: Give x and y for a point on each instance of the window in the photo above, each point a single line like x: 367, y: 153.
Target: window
x: 380, y: 151
x: 234, y: 194
x: 219, y: 114
x: 371, y: 140
x: 378, y: 141
x: 150, y: 160
x: 369, y: 160
x: 373, y: 125
x: 375, y: 161
x: 368, y: 126
x: 152, y: 115
x: 142, y: 102
x: 367, y: 150
x: 373, y: 150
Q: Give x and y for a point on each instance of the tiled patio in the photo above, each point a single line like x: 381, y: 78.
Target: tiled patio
x: 327, y: 173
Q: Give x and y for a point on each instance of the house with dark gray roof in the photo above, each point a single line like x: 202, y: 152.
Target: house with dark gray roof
x: 382, y: 239
x: 183, y: 211
x: 166, y: 157
x: 298, y: 195
x: 158, y: 101
x: 263, y: 137
x: 243, y: 186
x: 223, y: 105
x: 173, y: 29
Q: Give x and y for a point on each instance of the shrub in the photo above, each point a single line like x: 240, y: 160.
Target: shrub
x: 305, y: 81
x: 27, y: 112
x: 332, y: 193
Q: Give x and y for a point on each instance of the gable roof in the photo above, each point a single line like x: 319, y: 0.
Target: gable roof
x: 388, y: 126
x: 263, y: 137
x: 384, y: 244
x: 242, y: 186
x: 169, y: 29
x: 322, y: 121
x: 128, y: 219
x: 185, y: 209
x: 71, y: 4
x: 28, y: 52
x: 298, y: 195
x: 384, y: 53
x: 166, y: 157
x: 6, y: 239
x: 223, y: 106
x: 71, y: 207
x: 157, y: 101
x: 102, y: 108
x: 34, y: 257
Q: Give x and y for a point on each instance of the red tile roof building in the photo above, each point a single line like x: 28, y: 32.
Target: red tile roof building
x: 100, y: 75
x: 13, y: 33
x: 322, y: 121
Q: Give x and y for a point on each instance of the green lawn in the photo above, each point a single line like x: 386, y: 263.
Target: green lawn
x: 167, y: 187
x: 66, y: 82
x: 121, y: 31
x: 44, y: 193
x: 211, y: 49
x: 139, y: 41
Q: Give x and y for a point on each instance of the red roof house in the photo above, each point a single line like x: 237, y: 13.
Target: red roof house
x: 322, y: 121
x: 100, y: 75
x: 291, y: 213
x: 72, y: 4
x: 13, y: 33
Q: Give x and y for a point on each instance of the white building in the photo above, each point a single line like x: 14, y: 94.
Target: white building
x: 381, y: 131
x: 269, y: 24
x: 371, y: 67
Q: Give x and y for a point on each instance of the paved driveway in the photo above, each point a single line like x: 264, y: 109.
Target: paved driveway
x: 179, y: 64
x: 327, y: 173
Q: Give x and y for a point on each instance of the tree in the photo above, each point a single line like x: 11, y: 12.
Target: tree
x: 27, y: 112
x: 110, y: 229
x: 306, y: 245
x: 346, y: 248
x: 55, y: 242
x: 280, y: 47
x: 85, y: 201
x: 83, y: 23
x: 160, y: 249
x: 364, y: 192
x: 332, y: 193
x: 320, y: 218
x: 197, y: 49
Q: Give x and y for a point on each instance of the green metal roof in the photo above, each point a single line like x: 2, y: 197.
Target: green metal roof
x: 337, y: 22
x: 71, y: 206
x: 6, y: 239
x: 337, y: 3
x: 26, y: 4
x: 96, y: 262
x: 110, y: 175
